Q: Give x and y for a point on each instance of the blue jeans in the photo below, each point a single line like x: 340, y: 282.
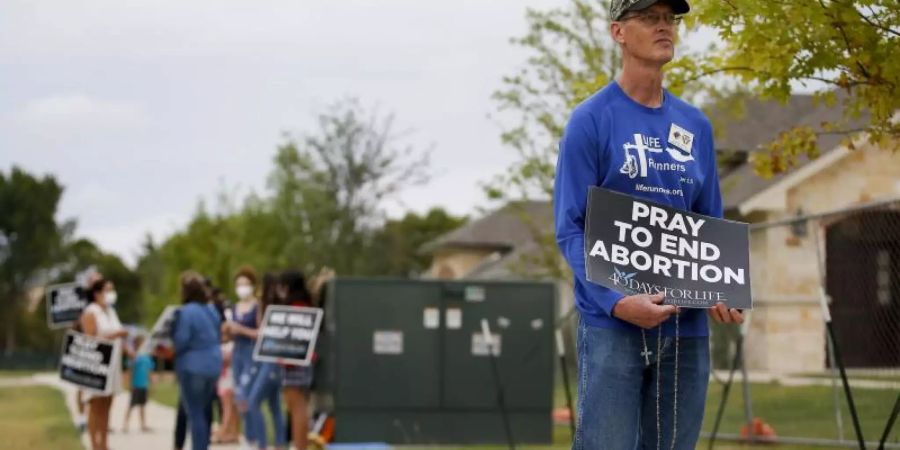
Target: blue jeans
x: 197, y: 392
x: 617, y: 394
x: 266, y: 385
x: 241, y: 363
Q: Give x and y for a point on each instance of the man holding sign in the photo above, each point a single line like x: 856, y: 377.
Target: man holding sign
x: 635, y: 138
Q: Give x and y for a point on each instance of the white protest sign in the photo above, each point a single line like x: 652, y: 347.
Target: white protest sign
x: 64, y: 305
x: 288, y: 335
x: 89, y: 362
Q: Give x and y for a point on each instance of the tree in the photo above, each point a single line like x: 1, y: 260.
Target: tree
x: 324, y: 207
x: 83, y: 253
x: 214, y: 244
x: 30, y: 239
x: 330, y: 187
x: 825, y: 45
x: 395, y: 247
x: 32, y: 331
x: 571, y: 57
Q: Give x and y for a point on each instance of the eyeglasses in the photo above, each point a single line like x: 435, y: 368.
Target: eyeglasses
x: 653, y: 18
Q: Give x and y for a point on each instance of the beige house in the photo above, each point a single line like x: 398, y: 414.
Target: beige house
x: 836, y: 191
x: 502, y: 245
x: 787, y: 331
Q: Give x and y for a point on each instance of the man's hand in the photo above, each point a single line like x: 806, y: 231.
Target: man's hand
x: 721, y: 314
x: 643, y: 310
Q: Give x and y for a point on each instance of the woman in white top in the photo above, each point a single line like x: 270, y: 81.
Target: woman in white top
x: 100, y: 319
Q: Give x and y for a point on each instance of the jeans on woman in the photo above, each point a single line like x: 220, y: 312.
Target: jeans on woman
x: 241, y: 363
x: 181, y: 424
x: 197, y: 391
x: 266, y: 386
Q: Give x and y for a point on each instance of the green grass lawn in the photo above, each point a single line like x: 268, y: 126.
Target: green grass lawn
x: 16, y: 373
x: 792, y: 411
x: 36, y: 417
x: 802, y: 411
x: 165, y: 391
x: 892, y: 376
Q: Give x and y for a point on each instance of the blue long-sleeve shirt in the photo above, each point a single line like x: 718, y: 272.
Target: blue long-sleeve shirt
x: 663, y: 154
x: 196, y: 335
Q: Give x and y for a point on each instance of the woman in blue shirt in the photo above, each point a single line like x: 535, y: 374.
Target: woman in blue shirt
x: 198, y: 358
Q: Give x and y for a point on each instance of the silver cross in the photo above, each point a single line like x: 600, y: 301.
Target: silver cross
x: 646, y: 354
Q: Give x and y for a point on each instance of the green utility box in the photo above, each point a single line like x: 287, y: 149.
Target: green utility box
x: 405, y: 361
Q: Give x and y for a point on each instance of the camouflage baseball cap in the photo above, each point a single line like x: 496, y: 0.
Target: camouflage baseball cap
x: 617, y: 8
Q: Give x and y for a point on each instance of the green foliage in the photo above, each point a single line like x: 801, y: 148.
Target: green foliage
x: 824, y: 45
x: 330, y: 187
x: 324, y: 207
x: 395, y: 247
x: 83, y: 253
x: 30, y: 239
x: 35, y: 250
x: 570, y: 58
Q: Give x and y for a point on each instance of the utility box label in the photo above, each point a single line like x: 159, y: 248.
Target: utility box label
x: 387, y: 342
x: 431, y: 318
x: 480, y: 346
x: 475, y: 294
x: 454, y: 318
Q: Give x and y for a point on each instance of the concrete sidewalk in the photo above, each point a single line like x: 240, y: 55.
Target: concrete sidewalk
x: 160, y: 418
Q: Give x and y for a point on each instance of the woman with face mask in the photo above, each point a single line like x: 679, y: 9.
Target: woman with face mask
x: 265, y: 383
x: 100, y: 319
x: 242, y: 327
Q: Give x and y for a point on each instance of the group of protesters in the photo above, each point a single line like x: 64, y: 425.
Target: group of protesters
x: 213, y: 342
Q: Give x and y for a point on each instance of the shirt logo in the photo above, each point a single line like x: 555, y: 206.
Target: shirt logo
x: 638, y: 166
x: 639, y: 159
x: 683, y: 140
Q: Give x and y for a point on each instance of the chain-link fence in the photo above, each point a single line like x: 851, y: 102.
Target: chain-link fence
x: 778, y: 377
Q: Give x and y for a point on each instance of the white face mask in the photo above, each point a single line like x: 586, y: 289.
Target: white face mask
x: 111, y: 298
x: 244, y: 291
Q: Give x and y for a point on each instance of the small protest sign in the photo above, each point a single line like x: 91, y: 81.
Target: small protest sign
x: 65, y: 303
x: 636, y: 246
x: 89, y: 362
x: 288, y: 335
x: 161, y: 333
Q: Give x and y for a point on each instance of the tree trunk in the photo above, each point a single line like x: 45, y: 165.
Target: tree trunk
x: 10, y: 335
x: 12, y: 315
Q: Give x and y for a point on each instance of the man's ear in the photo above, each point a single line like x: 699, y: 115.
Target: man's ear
x: 617, y: 31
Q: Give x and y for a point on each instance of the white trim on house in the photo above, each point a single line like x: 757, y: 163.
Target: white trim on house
x: 774, y: 197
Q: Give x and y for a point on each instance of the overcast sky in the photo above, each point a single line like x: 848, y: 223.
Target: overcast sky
x: 143, y: 107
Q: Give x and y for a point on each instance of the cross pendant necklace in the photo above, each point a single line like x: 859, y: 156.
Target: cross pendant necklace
x: 646, y: 354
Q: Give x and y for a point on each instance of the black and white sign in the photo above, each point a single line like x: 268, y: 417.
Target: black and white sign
x: 636, y: 246
x: 288, y: 335
x: 161, y: 333
x: 64, y: 305
x: 89, y: 362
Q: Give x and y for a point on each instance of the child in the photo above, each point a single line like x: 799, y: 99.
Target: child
x: 141, y: 366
